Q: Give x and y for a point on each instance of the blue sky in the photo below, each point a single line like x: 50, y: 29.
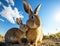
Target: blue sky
x: 49, y: 14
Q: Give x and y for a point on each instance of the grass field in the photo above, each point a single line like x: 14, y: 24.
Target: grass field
x: 50, y: 40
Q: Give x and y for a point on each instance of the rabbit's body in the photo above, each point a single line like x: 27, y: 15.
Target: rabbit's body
x: 9, y: 34
x: 16, y: 34
x: 34, y: 33
x: 13, y: 35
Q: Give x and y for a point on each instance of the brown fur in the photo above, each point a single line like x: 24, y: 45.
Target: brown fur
x: 13, y: 35
x: 16, y: 34
x: 34, y: 33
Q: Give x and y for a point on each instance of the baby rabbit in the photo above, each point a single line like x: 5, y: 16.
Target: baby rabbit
x: 22, y: 27
x: 16, y: 34
x: 34, y: 34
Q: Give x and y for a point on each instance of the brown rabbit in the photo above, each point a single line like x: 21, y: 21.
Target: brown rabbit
x: 34, y: 33
x: 16, y: 34
x: 22, y: 27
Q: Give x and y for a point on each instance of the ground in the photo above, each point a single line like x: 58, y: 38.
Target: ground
x: 50, y: 40
x: 46, y: 42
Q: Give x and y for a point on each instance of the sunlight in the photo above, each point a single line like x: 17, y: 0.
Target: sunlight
x: 57, y: 16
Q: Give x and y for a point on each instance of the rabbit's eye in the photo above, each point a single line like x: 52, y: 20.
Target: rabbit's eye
x: 32, y: 17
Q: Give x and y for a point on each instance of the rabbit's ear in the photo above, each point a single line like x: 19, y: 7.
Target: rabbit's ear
x: 37, y: 9
x: 19, y: 21
x: 27, y: 7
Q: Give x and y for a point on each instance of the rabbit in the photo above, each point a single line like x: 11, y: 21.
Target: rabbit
x: 34, y: 33
x: 16, y: 34
x: 22, y: 27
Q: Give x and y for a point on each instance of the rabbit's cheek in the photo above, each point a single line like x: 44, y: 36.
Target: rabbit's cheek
x: 30, y: 24
x: 35, y: 26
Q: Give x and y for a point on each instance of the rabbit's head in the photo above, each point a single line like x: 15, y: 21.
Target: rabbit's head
x: 34, y: 20
x: 23, y: 27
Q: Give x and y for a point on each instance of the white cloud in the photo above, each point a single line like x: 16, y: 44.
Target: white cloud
x: 0, y: 3
x: 2, y: 20
x: 16, y: 13
x: 10, y: 2
x: 7, y: 1
x: 10, y: 13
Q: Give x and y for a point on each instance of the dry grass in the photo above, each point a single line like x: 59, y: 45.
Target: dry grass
x: 2, y: 39
x: 46, y: 42
x: 51, y: 40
